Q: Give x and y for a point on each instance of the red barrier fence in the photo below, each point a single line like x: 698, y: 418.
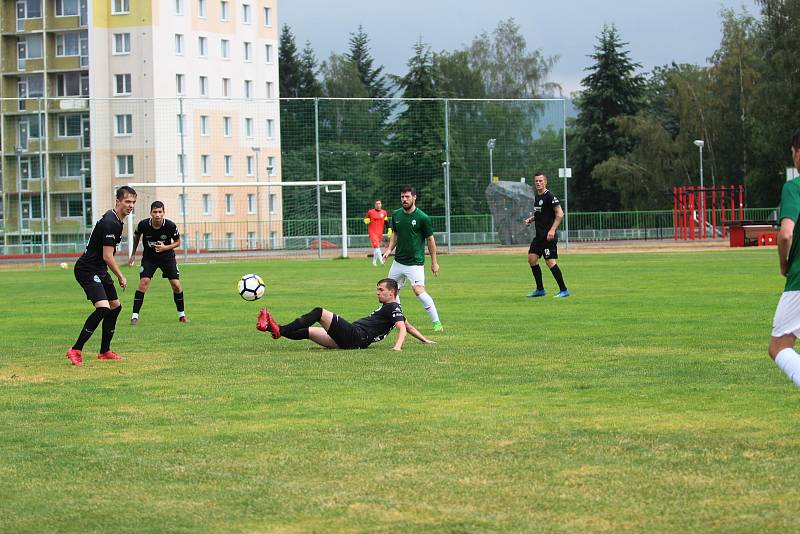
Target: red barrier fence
x: 702, y: 212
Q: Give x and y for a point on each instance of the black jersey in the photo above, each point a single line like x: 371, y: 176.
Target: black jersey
x: 379, y: 323
x: 167, y: 234
x: 107, y: 232
x: 544, y: 213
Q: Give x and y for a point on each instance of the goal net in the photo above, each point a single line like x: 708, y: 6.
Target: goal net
x: 244, y: 219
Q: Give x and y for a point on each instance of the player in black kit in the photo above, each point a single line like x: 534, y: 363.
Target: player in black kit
x: 336, y: 333
x: 547, y: 215
x: 91, y: 272
x: 160, y: 239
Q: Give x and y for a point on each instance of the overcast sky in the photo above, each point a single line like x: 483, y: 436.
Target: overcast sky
x: 658, y: 32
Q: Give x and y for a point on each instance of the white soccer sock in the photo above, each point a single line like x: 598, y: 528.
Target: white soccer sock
x: 430, y: 307
x: 182, y: 314
x: 376, y: 255
x: 134, y: 316
x: 789, y: 362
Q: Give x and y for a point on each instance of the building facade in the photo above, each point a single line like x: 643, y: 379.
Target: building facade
x: 99, y: 94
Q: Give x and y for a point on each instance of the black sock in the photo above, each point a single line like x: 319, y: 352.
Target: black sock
x: 178, y: 298
x: 559, y: 278
x: 296, y: 327
x: 138, y: 300
x: 537, y: 275
x: 109, y: 324
x: 90, y: 326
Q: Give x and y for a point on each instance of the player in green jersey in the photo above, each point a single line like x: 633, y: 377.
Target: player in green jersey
x: 412, y: 229
x: 786, y: 324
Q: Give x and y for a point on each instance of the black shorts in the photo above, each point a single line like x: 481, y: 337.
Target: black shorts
x: 97, y: 285
x: 346, y: 335
x: 168, y: 266
x: 544, y: 249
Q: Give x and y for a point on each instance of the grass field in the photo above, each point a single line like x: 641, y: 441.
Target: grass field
x: 644, y: 402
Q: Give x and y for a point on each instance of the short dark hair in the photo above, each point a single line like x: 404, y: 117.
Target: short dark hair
x: 156, y: 205
x: 390, y: 283
x: 540, y: 173
x: 125, y: 190
x: 408, y: 189
x: 796, y: 139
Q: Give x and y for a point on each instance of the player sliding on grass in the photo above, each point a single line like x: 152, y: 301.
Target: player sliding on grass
x: 91, y: 272
x: 547, y: 215
x: 336, y: 333
x: 160, y: 238
x: 786, y: 324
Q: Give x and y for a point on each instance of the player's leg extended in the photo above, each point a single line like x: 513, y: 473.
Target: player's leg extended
x: 428, y: 305
x: 785, y: 328
x: 320, y: 336
x: 138, y: 298
x: 177, y: 296
x: 109, y: 326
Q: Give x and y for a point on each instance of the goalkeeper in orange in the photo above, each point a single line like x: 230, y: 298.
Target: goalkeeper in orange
x: 376, y: 219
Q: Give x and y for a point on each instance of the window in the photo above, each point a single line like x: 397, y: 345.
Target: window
x: 202, y: 46
x: 228, y: 165
x: 122, y: 84
x: 66, y: 8
x: 269, y: 89
x: 33, y: 11
x: 272, y: 203
x: 206, y: 204
x: 226, y: 126
x: 122, y: 44
x: 178, y: 44
x: 67, y: 44
x: 69, y: 166
x: 270, y: 128
x: 248, y: 52
x: 180, y: 86
x: 125, y: 165
x: 201, y: 8
x: 70, y: 206
x: 181, y: 123
x: 230, y: 240
x: 247, y: 15
x: 223, y: 7
x: 229, y: 204
x: 225, y: 48
x: 71, y: 84
x: 69, y: 125
x: 29, y: 124
x: 267, y: 16
x: 205, y: 165
x: 268, y: 53
x: 203, y: 85
x: 250, y: 166
x: 179, y: 7
x: 35, y: 85
x: 248, y: 88
x: 203, y: 124
x: 271, y: 166
x: 123, y: 125
x: 207, y: 241
x: 33, y: 46
x: 251, y: 240
x: 120, y: 7
x: 181, y: 167
x: 182, y: 203
x: 226, y: 87
x: 251, y: 203
x: 248, y: 127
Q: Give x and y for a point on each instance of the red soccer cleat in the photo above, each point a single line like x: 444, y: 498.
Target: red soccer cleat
x: 183, y: 319
x: 134, y: 321
x: 74, y: 356
x: 109, y: 355
x: 267, y: 324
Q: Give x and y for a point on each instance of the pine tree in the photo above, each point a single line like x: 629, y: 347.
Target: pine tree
x: 309, y: 86
x: 611, y: 90
x: 288, y: 64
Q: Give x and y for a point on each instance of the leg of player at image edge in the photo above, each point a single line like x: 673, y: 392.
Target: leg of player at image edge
x: 789, y: 362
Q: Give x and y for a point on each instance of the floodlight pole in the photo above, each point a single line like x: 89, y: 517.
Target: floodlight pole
x: 699, y: 143
x: 490, y: 144
x: 256, y: 150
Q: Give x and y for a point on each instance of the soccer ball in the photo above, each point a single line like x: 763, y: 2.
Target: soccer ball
x: 63, y: 265
x: 251, y: 287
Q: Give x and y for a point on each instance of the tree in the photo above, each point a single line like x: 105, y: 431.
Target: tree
x: 288, y: 64
x: 372, y: 77
x: 309, y: 86
x: 611, y: 90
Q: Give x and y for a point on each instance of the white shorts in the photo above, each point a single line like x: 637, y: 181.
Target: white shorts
x: 787, y: 315
x: 414, y: 274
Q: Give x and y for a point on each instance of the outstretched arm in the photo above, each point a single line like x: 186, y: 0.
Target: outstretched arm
x: 401, y: 335
x: 417, y: 334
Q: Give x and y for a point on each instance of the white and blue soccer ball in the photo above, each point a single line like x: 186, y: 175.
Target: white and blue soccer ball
x: 251, y: 287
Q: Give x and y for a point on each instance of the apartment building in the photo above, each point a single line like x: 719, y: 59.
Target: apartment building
x: 138, y: 91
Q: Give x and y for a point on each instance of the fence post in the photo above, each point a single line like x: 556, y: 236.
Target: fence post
x: 319, y: 205
x: 41, y: 182
x: 446, y: 168
x: 184, y: 203
x: 566, y: 195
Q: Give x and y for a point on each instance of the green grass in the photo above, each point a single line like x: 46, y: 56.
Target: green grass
x: 644, y: 402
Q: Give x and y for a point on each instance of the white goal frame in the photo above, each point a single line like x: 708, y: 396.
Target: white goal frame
x: 316, y: 183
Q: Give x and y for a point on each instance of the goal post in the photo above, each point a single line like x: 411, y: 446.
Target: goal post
x: 250, y: 218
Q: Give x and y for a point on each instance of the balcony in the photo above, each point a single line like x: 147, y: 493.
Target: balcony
x: 63, y: 23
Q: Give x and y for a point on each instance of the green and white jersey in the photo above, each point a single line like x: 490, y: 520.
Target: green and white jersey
x: 790, y: 209
x: 411, y: 229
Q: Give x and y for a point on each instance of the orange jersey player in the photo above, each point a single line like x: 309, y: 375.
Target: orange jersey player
x: 376, y: 219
